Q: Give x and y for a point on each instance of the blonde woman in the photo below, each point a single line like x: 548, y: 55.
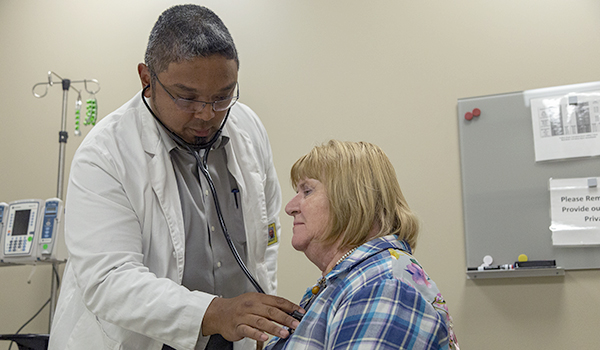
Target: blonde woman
x: 351, y: 220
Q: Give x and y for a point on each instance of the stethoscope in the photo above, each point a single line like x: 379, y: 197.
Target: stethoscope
x: 202, y: 164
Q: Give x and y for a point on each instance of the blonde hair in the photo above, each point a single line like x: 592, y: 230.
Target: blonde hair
x: 363, y: 193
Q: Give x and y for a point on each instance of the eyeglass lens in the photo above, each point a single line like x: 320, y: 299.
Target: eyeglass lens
x: 217, y: 106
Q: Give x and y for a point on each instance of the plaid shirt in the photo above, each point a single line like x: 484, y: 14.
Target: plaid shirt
x: 377, y: 298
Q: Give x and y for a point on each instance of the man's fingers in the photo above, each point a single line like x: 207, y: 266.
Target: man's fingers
x: 246, y: 331
x: 280, y: 310
x: 250, y: 315
x: 283, y: 304
x: 281, y: 317
x: 255, y: 327
x: 269, y: 309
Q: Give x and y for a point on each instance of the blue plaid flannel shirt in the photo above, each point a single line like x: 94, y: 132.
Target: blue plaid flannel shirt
x: 377, y: 298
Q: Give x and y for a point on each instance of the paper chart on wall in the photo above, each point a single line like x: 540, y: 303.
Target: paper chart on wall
x: 575, y: 211
x: 566, y: 126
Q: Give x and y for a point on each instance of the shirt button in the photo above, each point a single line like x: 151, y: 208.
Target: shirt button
x: 206, y: 192
x: 218, y: 264
x: 212, y: 228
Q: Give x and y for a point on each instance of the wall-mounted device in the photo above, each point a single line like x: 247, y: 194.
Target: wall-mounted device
x: 3, y: 207
x: 32, y: 230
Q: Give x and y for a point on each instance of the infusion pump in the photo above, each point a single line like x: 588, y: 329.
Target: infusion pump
x: 32, y: 230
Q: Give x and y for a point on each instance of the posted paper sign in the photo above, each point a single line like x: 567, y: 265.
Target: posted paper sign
x: 575, y: 211
x: 566, y: 126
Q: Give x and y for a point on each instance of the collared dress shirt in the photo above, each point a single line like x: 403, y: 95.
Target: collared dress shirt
x: 209, y: 263
x: 377, y: 298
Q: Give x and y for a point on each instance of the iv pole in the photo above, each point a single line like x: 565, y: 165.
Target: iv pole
x: 62, y: 139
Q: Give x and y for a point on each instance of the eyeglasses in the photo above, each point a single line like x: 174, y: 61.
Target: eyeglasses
x: 194, y: 106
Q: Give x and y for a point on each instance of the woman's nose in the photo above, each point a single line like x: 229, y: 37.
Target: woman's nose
x: 292, y: 207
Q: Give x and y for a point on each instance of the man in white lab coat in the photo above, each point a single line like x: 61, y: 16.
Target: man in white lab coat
x: 149, y: 266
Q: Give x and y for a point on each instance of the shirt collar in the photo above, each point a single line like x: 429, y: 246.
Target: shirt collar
x: 367, y: 250
x: 222, y: 140
x: 171, y: 143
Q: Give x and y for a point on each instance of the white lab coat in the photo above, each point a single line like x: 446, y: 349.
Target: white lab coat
x: 125, y: 234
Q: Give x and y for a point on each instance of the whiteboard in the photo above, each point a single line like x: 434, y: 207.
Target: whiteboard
x: 506, y: 201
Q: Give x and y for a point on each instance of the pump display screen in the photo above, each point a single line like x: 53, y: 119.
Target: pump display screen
x: 21, y: 222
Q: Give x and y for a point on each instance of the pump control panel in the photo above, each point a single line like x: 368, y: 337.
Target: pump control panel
x: 32, y: 230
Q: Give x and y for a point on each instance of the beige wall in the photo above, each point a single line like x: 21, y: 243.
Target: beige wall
x: 388, y: 72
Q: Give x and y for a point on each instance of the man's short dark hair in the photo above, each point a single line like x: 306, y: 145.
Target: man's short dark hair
x: 185, y: 32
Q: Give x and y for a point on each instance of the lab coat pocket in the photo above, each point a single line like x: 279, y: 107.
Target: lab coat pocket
x: 108, y: 341
x: 88, y: 334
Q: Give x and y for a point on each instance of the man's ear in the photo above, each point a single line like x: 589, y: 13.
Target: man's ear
x: 145, y: 78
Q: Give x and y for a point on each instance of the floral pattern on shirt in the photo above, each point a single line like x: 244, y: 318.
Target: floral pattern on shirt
x: 418, y: 274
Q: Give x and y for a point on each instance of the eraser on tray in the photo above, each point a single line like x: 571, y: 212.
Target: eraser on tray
x: 535, y: 264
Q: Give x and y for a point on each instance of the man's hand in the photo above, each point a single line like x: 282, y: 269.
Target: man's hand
x: 249, y: 315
